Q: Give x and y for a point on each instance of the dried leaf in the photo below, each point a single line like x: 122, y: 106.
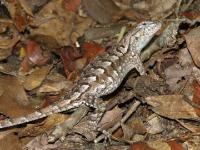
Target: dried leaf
x: 156, y: 8
x: 68, y: 56
x: 193, y: 43
x: 10, y: 142
x: 196, y: 96
x: 12, y: 88
x: 111, y: 117
x: 101, y: 10
x: 13, y: 101
x: 35, y: 54
x: 50, y: 86
x: 37, y: 129
x: 155, y: 125
x: 171, y: 106
x: 71, y: 5
x: 9, y: 40
x: 174, y: 76
x: 102, y: 32
x: 140, y: 146
x: 36, y: 78
x: 159, y: 145
x: 53, y: 22
x: 175, y: 145
x: 91, y: 50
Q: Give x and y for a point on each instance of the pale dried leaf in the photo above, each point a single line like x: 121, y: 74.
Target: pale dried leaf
x: 193, y: 44
x: 53, y: 21
x: 111, y: 117
x: 13, y: 89
x: 154, y: 125
x: 36, y: 78
x: 159, y: 145
x: 171, y: 106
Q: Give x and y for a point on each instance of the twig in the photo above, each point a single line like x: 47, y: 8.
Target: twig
x: 117, y: 125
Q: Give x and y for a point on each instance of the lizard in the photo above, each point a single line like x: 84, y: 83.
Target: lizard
x: 101, y: 76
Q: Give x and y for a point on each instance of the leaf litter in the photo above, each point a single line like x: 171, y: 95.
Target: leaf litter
x: 44, y: 46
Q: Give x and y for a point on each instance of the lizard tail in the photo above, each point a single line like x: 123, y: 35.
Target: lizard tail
x: 55, y: 108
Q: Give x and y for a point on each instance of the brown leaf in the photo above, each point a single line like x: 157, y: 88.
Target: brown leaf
x: 13, y: 100
x: 8, y: 40
x: 71, y: 5
x: 37, y: 129
x: 156, y: 8
x: 91, y: 50
x: 18, y: 15
x: 191, y: 14
x: 175, y: 145
x: 111, y: 117
x: 140, y: 146
x: 36, y: 78
x: 53, y: 22
x: 11, y: 87
x: 69, y: 55
x: 35, y: 54
x: 102, y: 11
x: 196, y: 96
x: 10, y: 142
x: 193, y: 43
x: 171, y: 106
x: 159, y: 145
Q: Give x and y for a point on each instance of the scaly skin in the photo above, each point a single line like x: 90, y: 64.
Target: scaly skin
x: 102, y: 76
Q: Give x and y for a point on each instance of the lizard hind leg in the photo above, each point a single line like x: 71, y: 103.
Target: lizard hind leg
x: 60, y: 131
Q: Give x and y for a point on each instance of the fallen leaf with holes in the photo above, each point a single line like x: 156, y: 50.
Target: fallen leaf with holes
x: 193, y: 43
x: 171, y: 106
x: 36, y: 78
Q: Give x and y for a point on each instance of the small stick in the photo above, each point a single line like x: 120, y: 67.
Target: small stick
x: 117, y: 125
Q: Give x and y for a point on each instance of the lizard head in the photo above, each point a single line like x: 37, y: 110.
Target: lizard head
x: 144, y: 33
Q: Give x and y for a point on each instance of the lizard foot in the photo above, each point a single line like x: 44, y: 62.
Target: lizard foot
x: 64, y: 128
